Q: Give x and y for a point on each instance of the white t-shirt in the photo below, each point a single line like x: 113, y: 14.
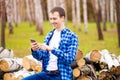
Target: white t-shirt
x: 54, y: 42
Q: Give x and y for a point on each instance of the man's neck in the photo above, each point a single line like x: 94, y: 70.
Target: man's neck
x: 60, y: 28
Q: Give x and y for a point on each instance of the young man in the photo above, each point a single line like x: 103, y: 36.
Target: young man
x: 58, y: 51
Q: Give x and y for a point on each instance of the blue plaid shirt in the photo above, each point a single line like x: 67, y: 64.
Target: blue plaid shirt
x: 66, y: 53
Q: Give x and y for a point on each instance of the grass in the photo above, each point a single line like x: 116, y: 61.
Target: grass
x: 19, y: 41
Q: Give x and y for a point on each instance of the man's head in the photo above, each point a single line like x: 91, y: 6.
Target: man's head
x: 60, y: 10
x: 57, y: 18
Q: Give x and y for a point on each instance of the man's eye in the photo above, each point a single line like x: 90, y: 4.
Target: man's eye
x: 54, y: 18
x: 50, y: 18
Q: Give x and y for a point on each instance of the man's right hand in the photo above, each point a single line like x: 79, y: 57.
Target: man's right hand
x: 35, y: 46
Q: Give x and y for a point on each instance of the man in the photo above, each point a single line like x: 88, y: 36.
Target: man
x: 58, y: 51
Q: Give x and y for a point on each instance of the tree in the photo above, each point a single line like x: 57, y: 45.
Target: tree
x: 78, y: 14
x: 108, y: 10
x: 103, y: 13
x: 9, y: 13
x: 3, y: 22
x: 50, y: 5
x: 111, y: 13
x: 73, y: 13
x: 38, y: 16
x: 117, y: 2
x: 97, y: 18
x: 85, y: 16
x: 28, y: 12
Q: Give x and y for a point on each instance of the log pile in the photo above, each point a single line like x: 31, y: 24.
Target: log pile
x: 95, y: 65
x: 104, y: 63
x: 12, y: 68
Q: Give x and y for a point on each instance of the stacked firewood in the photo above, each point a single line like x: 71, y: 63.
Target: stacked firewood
x: 95, y: 65
x: 82, y: 70
x: 12, y: 68
x: 105, y: 63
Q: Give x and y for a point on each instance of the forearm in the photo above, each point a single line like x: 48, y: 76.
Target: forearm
x: 37, y: 54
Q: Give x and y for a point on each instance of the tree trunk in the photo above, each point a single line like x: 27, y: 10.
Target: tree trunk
x: 3, y: 22
x: 85, y: 16
x: 15, y: 12
x: 9, y: 13
x: 38, y: 16
x: 111, y: 13
x: 28, y: 12
x: 118, y: 19
x: 49, y: 5
x: 103, y: 13
x: 108, y: 10
x: 78, y: 14
x: 73, y: 13
x: 97, y: 18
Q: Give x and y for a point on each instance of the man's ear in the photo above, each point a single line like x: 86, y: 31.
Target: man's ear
x: 63, y: 18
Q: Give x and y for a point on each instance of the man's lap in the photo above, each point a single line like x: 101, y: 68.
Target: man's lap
x: 43, y: 76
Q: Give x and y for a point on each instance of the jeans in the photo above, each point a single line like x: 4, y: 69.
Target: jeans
x: 44, y: 76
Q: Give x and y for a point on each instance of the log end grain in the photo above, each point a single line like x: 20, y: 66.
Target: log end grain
x: 4, y: 66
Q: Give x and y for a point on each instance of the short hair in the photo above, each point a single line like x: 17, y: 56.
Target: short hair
x: 60, y: 10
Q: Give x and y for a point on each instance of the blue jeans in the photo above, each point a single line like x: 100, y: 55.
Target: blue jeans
x: 44, y: 76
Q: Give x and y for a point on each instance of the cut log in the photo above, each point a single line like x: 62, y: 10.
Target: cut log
x: 29, y: 62
x: 6, y: 53
x: 115, y: 70
x: 118, y: 58
x: 10, y: 64
x: 76, y: 72
x: 103, y: 65
x: 37, y: 68
x: 94, y: 55
x: 115, y: 60
x: 8, y: 76
x: 118, y: 71
x: 105, y: 75
x: 81, y: 71
x: 107, y: 58
x: 79, y: 55
x: 81, y: 62
x: 18, y: 75
x: 78, y: 63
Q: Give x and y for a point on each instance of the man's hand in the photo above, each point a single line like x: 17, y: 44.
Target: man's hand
x: 36, y: 46
x: 45, y: 47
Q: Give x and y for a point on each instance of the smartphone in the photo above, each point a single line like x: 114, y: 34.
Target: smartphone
x: 32, y: 40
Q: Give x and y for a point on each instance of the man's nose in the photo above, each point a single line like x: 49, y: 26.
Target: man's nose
x: 51, y: 20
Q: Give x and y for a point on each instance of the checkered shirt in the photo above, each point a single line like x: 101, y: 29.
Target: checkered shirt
x: 66, y: 53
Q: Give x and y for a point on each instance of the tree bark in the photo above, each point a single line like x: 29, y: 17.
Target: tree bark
x: 85, y: 16
x: 111, y: 13
x: 9, y: 14
x: 97, y: 18
x: 78, y: 14
x: 118, y: 19
x: 3, y: 23
x: 38, y: 16
x: 73, y: 13
x: 103, y: 13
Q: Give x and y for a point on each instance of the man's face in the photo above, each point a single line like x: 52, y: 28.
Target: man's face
x: 55, y: 19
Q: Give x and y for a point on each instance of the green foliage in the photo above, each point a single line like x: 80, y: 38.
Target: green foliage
x: 19, y: 42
